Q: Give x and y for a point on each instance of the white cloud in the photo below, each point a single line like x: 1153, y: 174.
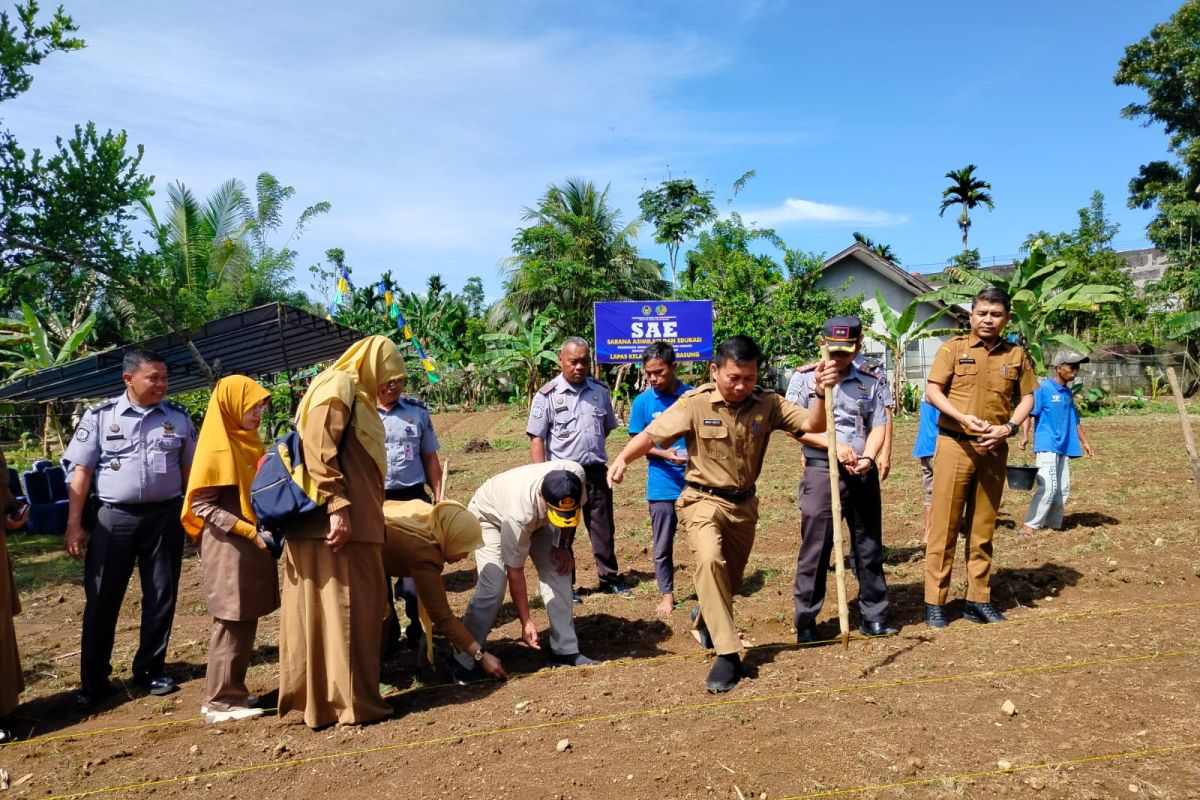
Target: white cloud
x: 797, y: 211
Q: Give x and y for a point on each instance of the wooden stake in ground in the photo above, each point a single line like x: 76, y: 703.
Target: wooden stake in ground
x: 441, y: 495
x: 835, y: 498
x: 1188, y: 441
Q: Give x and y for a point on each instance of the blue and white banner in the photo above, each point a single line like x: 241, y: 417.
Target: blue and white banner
x: 624, y: 329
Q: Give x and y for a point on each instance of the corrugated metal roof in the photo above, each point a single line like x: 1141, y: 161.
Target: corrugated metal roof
x: 261, y: 341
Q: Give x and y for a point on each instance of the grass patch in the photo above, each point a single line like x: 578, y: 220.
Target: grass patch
x: 40, y: 560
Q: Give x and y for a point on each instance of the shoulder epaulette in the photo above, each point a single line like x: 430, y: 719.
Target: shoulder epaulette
x: 806, y: 367
x: 177, y: 406
x: 103, y: 404
x: 703, y: 388
x: 549, y: 387
x: 601, y: 384
x: 414, y: 400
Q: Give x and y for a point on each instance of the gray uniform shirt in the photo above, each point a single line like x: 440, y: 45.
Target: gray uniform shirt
x: 857, y: 406
x: 138, y: 455
x: 573, y: 421
x: 409, y: 436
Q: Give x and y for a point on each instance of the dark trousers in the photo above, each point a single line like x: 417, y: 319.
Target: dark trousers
x: 152, y: 538
x: 861, y: 507
x: 598, y: 515
x: 405, y: 588
x: 663, y: 523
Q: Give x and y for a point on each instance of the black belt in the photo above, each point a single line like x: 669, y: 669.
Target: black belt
x: 817, y: 462
x: 596, y: 465
x: 962, y: 437
x: 731, y: 495
x: 138, y: 508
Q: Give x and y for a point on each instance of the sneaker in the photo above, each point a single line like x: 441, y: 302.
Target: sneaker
x: 700, y: 631
x: 569, y: 660
x: 232, y: 715
x: 935, y: 616
x: 159, y: 686
x: 982, y: 613
x: 615, y: 587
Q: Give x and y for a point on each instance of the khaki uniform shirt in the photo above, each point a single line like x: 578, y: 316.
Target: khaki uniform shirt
x: 725, y: 445
x: 976, y: 380
x: 512, y: 503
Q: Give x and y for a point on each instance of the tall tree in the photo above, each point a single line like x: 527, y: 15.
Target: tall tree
x: 677, y: 209
x: 878, y: 248
x: 575, y: 252
x: 967, y: 191
x: 1165, y: 65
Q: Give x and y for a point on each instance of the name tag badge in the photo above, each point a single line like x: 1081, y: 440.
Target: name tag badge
x: 966, y: 360
x: 408, y: 452
x: 714, y: 422
x: 158, y: 463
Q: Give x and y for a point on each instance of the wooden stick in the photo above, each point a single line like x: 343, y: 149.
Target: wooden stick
x: 1188, y: 441
x: 835, y: 498
x: 441, y: 495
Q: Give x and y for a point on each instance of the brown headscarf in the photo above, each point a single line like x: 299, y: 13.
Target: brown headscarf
x: 369, y: 363
x: 226, y: 453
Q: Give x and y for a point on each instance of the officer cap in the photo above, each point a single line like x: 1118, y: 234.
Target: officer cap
x: 562, y: 491
x: 842, y: 333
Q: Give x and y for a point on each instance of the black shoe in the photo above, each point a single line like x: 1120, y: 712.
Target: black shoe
x: 554, y: 659
x: 935, y: 616
x: 575, y: 598
x: 464, y: 675
x: 982, y: 612
x: 877, y: 629
x: 158, y: 686
x: 726, y: 671
x: 91, y: 696
x: 615, y: 587
x: 806, y: 635
x: 700, y: 631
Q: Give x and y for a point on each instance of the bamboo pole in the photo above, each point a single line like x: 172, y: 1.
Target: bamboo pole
x: 1188, y: 440
x: 835, y: 498
x: 441, y: 495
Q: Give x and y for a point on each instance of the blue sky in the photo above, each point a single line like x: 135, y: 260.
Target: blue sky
x: 429, y: 126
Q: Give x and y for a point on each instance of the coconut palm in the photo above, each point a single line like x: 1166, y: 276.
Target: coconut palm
x: 967, y: 191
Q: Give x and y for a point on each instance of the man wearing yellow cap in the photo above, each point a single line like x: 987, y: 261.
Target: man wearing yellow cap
x: 530, y: 512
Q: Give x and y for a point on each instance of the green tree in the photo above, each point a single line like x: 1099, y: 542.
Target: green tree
x: 528, y: 353
x: 878, y: 248
x: 1165, y: 65
x: 1038, y: 296
x: 901, y: 331
x: 473, y: 296
x: 967, y: 191
x: 677, y: 209
x: 574, y: 253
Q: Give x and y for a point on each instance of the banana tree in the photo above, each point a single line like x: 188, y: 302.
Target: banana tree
x: 1037, y: 296
x: 33, y: 351
x: 900, y: 331
x: 525, y: 352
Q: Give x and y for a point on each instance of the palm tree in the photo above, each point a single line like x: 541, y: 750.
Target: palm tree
x: 967, y: 191
x: 880, y: 249
x: 576, y: 251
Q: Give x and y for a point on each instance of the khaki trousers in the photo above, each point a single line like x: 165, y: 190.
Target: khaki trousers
x: 229, y: 649
x: 963, y: 478
x: 720, y: 534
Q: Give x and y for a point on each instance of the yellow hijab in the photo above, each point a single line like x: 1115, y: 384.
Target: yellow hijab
x: 226, y: 453
x: 361, y: 370
x: 446, y: 525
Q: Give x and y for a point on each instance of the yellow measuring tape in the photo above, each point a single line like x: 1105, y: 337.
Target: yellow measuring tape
x: 641, y: 712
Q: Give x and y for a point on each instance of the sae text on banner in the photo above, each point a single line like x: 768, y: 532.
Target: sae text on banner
x: 624, y: 329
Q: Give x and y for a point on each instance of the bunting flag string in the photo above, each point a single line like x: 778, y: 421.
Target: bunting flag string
x: 341, y: 292
x: 392, y: 302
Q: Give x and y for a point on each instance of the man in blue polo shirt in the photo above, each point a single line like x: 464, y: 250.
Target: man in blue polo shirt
x: 664, y: 473
x: 1057, y: 437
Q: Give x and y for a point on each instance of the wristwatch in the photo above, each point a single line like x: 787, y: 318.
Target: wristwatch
x: 478, y: 654
x: 1012, y: 429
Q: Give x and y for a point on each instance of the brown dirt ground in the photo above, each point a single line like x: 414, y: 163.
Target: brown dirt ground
x: 1099, y: 659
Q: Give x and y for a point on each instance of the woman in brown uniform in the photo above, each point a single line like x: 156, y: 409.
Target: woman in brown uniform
x: 421, y: 540
x: 334, y: 589
x: 11, y: 680
x: 241, y: 581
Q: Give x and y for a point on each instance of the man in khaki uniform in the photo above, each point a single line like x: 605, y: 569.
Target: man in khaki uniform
x: 973, y: 383
x: 726, y: 425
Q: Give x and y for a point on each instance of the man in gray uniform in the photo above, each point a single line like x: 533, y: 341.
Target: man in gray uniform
x: 859, y: 421
x: 139, y: 450
x: 412, y: 446
x: 412, y: 462
x: 569, y: 420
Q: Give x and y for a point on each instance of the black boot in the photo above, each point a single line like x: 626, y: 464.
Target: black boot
x: 726, y: 671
